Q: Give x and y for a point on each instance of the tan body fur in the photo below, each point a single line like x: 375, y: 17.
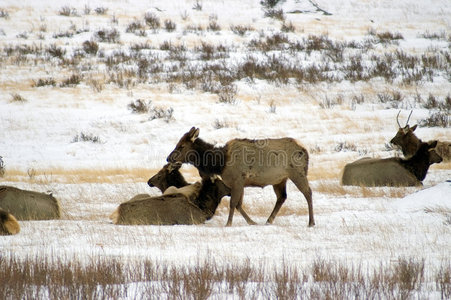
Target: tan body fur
x: 169, y: 209
x: 392, y: 171
x: 29, y: 205
x: 243, y: 162
x: 377, y: 172
x: 8, y: 223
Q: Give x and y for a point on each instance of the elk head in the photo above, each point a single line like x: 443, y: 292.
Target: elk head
x: 434, y: 158
x: 185, y: 147
x: 167, y: 176
x: 405, y: 138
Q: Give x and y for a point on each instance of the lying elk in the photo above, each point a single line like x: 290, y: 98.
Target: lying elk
x: 242, y: 163
x: 168, y: 176
x: 8, y: 223
x: 187, y: 204
x: 29, y: 205
x: 209, y: 197
x: 392, y: 171
x: 409, y: 142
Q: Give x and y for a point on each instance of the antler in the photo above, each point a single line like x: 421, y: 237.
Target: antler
x: 407, y: 123
x: 397, y: 120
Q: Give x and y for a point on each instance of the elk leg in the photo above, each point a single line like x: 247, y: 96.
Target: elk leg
x: 281, y: 192
x: 235, y: 196
x: 236, y: 201
x: 243, y: 213
x: 301, y: 183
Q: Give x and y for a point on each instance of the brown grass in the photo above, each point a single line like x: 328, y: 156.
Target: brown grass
x: 109, y: 278
x: 336, y: 189
x: 82, y: 175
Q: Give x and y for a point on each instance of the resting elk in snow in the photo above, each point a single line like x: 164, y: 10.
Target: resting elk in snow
x: 243, y: 162
x: 213, y: 190
x: 8, y: 224
x: 29, y: 205
x: 409, y: 142
x: 168, y: 176
x: 392, y: 171
x: 181, y: 204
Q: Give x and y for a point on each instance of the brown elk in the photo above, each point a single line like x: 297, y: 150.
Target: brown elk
x: 409, y: 142
x: 243, y: 162
x: 8, y: 223
x: 29, y: 205
x: 211, y: 193
x: 392, y: 171
x: 191, y: 204
x: 168, y: 176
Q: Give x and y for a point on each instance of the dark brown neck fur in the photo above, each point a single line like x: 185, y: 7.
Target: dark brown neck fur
x: 418, y: 164
x: 209, y: 160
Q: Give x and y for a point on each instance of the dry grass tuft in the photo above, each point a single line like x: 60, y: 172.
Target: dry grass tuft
x: 336, y: 189
x: 82, y: 175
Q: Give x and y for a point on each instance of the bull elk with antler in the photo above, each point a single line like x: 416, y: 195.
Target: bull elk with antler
x: 410, y: 143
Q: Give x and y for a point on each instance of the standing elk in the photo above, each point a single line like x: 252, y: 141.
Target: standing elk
x: 409, y: 142
x: 181, y: 204
x: 29, y: 205
x: 243, y: 163
x: 8, y: 223
x: 392, y: 171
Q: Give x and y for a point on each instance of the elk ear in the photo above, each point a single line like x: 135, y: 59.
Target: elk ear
x: 194, y: 134
x: 174, y: 166
x: 413, y: 127
x: 432, y: 144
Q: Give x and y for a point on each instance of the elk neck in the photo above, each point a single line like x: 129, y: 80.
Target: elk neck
x: 209, y: 160
x: 418, y: 164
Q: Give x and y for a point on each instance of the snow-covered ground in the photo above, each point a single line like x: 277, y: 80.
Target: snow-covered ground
x: 353, y: 224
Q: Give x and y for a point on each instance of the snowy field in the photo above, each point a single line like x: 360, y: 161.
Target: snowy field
x: 334, y: 81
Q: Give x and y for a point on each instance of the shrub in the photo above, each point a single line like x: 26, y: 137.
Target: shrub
x: 385, y: 37
x: 275, y: 14
x: 4, y: 13
x: 345, y: 146
x: 213, y: 26
x: 90, y: 47
x: 139, y: 106
x: 86, y: 9
x: 240, y: 29
x: 169, y: 25
x: 86, y: 137
x: 227, y: 94
x: 161, y: 113
x: 134, y: 26
x: 72, y: 81
x: 101, y: 10
x: 44, y: 81
x: 436, y: 119
x: 68, y: 11
x: 197, y: 6
x: 152, y: 20
x: 56, y: 51
x: 288, y: 27
x: 17, y: 98
x: 269, y: 3
x: 107, y: 35
x: 220, y: 124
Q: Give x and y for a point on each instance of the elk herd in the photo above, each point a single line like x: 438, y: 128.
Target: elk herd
x: 226, y: 171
